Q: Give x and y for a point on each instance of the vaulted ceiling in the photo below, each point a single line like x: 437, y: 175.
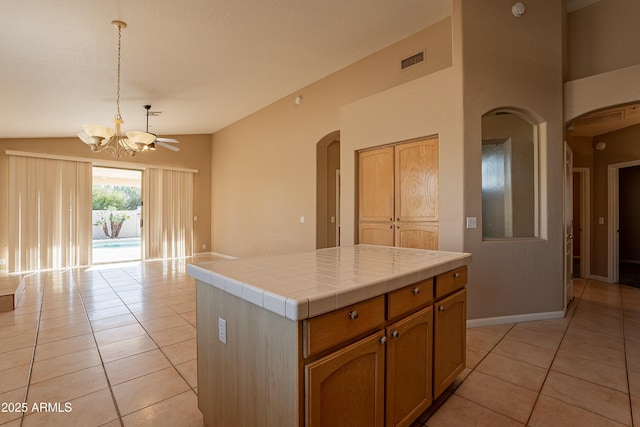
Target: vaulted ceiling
x: 203, y: 63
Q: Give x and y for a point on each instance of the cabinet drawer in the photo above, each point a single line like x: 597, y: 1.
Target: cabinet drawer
x: 450, y: 281
x: 409, y: 298
x: 325, y: 331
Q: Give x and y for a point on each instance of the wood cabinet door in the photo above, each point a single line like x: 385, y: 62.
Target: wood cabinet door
x: 375, y: 182
x: 409, y: 368
x: 416, y: 235
x: 416, y: 180
x: 450, y: 332
x: 376, y: 233
x: 346, y: 388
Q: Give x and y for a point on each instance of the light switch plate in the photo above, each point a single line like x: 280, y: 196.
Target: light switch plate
x: 222, y: 330
x: 472, y: 222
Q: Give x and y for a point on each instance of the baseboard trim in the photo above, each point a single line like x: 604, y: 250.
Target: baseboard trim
x: 599, y: 278
x: 223, y: 255
x: 517, y: 318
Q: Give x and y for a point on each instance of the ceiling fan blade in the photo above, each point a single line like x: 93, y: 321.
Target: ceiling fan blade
x: 175, y: 141
x: 167, y: 146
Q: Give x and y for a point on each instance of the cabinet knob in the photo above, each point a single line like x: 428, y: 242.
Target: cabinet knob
x: 391, y: 226
x: 383, y: 340
x: 416, y: 291
x: 395, y: 334
x: 456, y: 275
x: 353, y: 315
x: 441, y: 308
x: 390, y: 219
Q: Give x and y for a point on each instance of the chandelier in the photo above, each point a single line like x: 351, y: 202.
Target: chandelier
x: 112, y: 140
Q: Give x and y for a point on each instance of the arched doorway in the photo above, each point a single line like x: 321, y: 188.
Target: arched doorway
x: 328, y: 191
x: 603, y: 142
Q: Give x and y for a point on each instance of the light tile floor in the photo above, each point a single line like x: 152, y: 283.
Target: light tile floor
x: 106, y: 346
x: 581, y: 370
x: 115, y: 346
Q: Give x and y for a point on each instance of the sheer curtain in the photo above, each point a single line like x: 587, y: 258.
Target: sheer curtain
x: 49, y: 213
x: 168, y: 213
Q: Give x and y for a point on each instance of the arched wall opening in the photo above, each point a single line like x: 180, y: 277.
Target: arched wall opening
x: 328, y: 191
x: 583, y: 97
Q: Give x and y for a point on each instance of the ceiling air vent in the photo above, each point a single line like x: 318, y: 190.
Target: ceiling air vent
x: 601, y: 118
x: 412, y: 60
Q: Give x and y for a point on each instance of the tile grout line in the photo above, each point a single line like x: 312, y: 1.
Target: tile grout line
x: 624, y: 349
x: 33, y: 353
x: 104, y: 369
x: 151, y: 337
x: 577, y: 300
x: 452, y: 391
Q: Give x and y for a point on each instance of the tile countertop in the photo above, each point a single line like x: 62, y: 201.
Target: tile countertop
x: 302, y: 285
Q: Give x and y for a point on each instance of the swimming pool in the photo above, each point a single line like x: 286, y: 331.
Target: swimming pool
x: 116, y: 243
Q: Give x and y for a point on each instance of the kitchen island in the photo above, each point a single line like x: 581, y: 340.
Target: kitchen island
x: 361, y: 335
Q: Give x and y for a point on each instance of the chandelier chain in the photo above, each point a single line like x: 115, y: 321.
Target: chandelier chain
x: 113, y: 140
x: 118, y: 116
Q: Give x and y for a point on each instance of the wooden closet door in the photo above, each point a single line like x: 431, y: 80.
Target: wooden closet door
x: 375, y: 175
x: 416, y: 235
x: 416, y: 181
x: 375, y: 233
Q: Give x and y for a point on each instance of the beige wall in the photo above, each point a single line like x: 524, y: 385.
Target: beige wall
x: 264, y: 166
x: 195, y: 153
x: 514, y: 62
x: 603, y: 37
x: 431, y: 105
x: 257, y: 203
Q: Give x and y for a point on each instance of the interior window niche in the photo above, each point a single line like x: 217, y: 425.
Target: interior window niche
x: 509, y: 176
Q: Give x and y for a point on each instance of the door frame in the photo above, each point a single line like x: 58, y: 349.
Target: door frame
x: 584, y: 175
x: 568, y: 225
x: 613, y: 271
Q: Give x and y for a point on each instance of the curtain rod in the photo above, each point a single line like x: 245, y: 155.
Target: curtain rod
x: 97, y: 162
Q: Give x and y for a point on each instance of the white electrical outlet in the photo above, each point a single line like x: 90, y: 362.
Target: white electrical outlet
x: 3, y: 261
x: 301, y: 220
x: 222, y: 330
x: 204, y: 246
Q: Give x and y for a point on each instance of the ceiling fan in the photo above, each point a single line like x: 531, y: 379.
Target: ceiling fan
x: 160, y: 142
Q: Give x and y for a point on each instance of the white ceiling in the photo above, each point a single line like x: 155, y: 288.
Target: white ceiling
x: 203, y: 63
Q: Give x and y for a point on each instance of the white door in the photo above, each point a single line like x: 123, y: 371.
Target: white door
x: 568, y: 224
